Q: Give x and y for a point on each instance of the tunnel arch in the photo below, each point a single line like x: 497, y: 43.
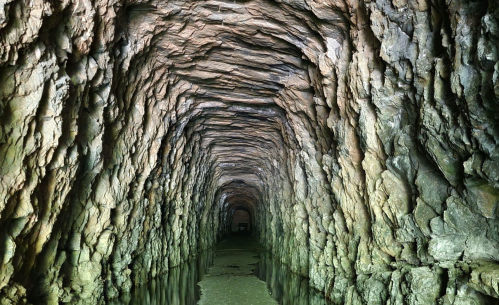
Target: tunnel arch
x: 361, y: 136
x: 241, y: 219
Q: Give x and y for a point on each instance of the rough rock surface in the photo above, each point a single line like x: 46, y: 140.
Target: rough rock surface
x: 362, y: 136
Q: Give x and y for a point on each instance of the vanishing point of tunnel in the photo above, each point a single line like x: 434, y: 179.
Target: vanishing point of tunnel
x: 355, y: 141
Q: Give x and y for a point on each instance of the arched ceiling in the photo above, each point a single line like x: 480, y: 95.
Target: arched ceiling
x: 244, y: 79
x: 361, y: 135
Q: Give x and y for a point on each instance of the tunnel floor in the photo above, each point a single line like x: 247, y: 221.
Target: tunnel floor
x: 238, y: 271
x: 231, y: 279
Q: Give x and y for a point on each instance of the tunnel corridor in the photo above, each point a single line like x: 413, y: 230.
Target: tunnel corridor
x: 355, y: 140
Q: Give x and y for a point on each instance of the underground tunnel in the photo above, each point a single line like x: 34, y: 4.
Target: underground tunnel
x: 355, y: 140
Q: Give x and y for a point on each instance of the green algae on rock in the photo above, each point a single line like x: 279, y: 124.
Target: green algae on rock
x: 361, y: 137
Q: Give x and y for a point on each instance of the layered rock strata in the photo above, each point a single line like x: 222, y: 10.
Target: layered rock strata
x: 361, y: 136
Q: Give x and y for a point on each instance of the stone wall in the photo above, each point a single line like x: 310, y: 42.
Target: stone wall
x: 362, y: 136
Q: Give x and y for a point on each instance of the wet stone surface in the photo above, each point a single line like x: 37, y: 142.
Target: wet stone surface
x: 231, y: 279
x: 239, y: 271
x: 178, y: 287
x: 286, y: 287
x: 361, y: 136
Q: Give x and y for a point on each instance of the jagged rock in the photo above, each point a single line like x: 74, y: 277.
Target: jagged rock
x: 361, y: 136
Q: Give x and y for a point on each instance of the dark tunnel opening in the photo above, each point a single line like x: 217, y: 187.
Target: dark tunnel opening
x: 356, y: 141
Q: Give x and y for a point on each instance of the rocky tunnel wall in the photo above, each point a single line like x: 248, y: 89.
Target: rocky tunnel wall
x: 361, y: 136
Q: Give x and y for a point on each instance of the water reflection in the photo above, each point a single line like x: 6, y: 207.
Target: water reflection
x: 178, y: 287
x: 286, y: 287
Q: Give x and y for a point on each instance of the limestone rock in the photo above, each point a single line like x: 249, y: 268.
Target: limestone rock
x: 361, y: 137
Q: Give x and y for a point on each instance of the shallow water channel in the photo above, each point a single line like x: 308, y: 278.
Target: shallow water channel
x: 238, y: 271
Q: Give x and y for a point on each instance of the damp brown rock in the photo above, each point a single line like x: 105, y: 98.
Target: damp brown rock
x: 360, y: 136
